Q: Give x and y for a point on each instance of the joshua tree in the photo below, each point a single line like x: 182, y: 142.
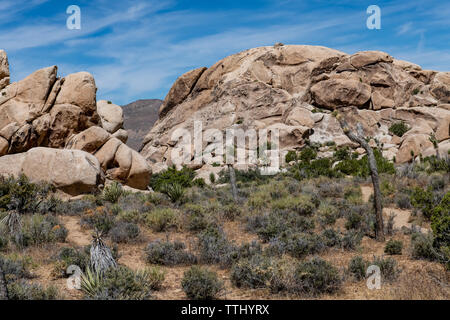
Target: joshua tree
x: 233, y: 182
x: 101, y: 256
x: 359, y: 139
x: 3, y: 287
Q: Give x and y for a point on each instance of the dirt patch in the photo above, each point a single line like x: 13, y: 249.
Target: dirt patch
x: 76, y: 235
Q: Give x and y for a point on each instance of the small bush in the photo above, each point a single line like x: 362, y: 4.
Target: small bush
x: 423, y: 200
x: 399, y: 129
x: 214, y: 246
x: 357, y: 268
x: 393, y: 247
x: 402, y: 201
x: 68, y: 256
x: 124, y: 232
x: 315, y: 277
x: 290, y: 156
x: 201, y: 284
x: 388, y: 267
x: 163, y: 219
x: 197, y: 218
x: 172, y: 176
x: 112, y: 192
x: 39, y: 229
x: 308, y: 154
x: 440, y: 222
x: 174, y: 191
x: 254, y: 272
x: 422, y: 247
x: 169, y: 253
x: 23, y: 290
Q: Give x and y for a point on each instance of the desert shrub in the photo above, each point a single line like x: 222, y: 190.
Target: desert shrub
x: 254, y: 272
x: 360, y: 167
x: 297, y: 244
x: 154, y: 277
x: 39, y: 229
x: 139, y: 202
x: 316, y: 276
x: 23, y: 290
x: 357, y: 268
x: 308, y: 154
x: 168, y: 253
x: 3, y: 242
x: 15, y: 267
x: 201, y: 284
x: 22, y: 195
x: 433, y: 164
x: 68, y: 256
x: 112, y: 192
x: 423, y: 200
x: 301, y: 205
x: 124, y: 232
x: 231, y: 211
x: 353, y: 194
x: 174, y: 191
x: 440, y: 222
x: 360, y: 218
x: 271, y: 225
x: 183, y: 177
x: 331, y: 238
x: 399, y: 128
x: 163, y: 219
x: 313, y: 168
x: 290, y: 156
x: 214, y: 246
x: 342, y: 154
x: 388, y: 267
x: 197, y: 219
x: 393, y: 247
x: 119, y: 283
x: 403, y: 201
x: 75, y: 207
x: 327, y: 214
x: 422, y: 247
x: 100, y: 218
x: 244, y: 176
x: 351, y: 240
x: 199, y: 182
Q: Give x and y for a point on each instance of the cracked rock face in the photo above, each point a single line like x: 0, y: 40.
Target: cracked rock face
x: 295, y: 88
x: 43, y: 113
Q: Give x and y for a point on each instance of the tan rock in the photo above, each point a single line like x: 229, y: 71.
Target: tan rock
x: 8, y: 131
x: 140, y: 172
x: 300, y: 117
x: 365, y: 58
x: 123, y: 160
x: 180, y: 90
x: 380, y: 102
x: 64, y: 123
x: 107, y: 153
x: 122, y: 135
x: 72, y: 171
x: 440, y: 87
x: 111, y: 115
x: 335, y: 93
x: 90, y: 140
x: 79, y: 90
x: 412, y: 146
x: 4, y: 145
x: 4, y: 70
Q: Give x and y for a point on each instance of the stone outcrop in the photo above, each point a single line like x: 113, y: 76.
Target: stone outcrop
x: 296, y: 89
x: 71, y: 171
x: 46, y: 111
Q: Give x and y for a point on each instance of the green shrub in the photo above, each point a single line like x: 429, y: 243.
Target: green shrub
x: 301, y: 205
x: 39, y: 229
x: 290, y: 156
x: 393, y: 247
x: 327, y: 214
x: 124, y: 232
x: 399, y: 128
x: 23, y: 290
x: 168, y: 253
x: 112, y: 192
x: 163, y: 219
x: 119, y: 283
x: 388, y: 267
x: 357, y: 268
x: 201, y: 284
x: 308, y: 154
x: 68, y: 256
x: 423, y: 200
x: 172, y: 176
x: 254, y: 272
x: 214, y: 246
x: 101, y: 219
x: 197, y: 217
x: 199, y: 182
x: 440, y: 222
x: 342, y: 154
x: 422, y: 247
x: 174, y: 191
x: 360, y: 167
x: 316, y: 276
x: 212, y: 177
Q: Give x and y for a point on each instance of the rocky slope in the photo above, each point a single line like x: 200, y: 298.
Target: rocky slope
x: 296, y: 88
x: 46, y: 111
x: 139, y: 118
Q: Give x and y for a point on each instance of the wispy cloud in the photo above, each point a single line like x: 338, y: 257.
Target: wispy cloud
x: 136, y: 49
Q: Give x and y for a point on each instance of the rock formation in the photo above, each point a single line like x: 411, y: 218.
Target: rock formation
x: 296, y: 89
x: 44, y: 110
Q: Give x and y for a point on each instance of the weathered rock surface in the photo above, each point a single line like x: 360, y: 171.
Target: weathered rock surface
x: 43, y: 110
x: 71, y: 171
x: 295, y: 88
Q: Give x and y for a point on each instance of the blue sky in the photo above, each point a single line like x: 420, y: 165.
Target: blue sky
x: 136, y: 49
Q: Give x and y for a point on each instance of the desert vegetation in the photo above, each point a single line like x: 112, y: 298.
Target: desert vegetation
x: 308, y: 232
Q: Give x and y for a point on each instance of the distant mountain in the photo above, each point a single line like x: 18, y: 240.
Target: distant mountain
x: 139, y: 117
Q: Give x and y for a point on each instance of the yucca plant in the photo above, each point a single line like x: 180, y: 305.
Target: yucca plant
x: 174, y: 191
x: 91, y: 282
x: 112, y: 192
x: 101, y: 256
